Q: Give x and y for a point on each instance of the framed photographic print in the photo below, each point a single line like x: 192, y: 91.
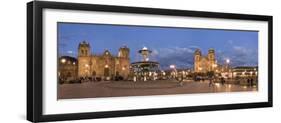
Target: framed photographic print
x: 95, y: 61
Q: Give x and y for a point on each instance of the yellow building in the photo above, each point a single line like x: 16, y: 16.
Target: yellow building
x: 204, y: 63
x: 105, y: 66
x: 245, y: 71
x: 67, y: 69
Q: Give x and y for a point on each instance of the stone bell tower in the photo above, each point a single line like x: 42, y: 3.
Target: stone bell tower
x: 84, y: 49
x: 123, y: 52
x: 123, y: 62
x: 211, y: 59
x: 84, y: 59
x: 197, y: 58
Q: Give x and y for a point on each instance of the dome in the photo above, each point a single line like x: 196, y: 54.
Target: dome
x: 212, y: 50
x: 106, y: 52
x: 83, y: 44
x: 197, y: 51
x: 68, y: 59
x: 144, y: 48
x: 124, y: 47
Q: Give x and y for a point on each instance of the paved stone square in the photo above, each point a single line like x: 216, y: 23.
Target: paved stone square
x: 129, y: 88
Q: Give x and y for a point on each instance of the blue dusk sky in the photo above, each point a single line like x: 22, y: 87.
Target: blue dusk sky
x: 168, y: 45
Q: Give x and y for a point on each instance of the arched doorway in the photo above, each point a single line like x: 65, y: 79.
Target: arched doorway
x: 68, y: 75
x: 106, y: 74
x: 94, y: 76
x: 117, y: 73
x: 94, y: 73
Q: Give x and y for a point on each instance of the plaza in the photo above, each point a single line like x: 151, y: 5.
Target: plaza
x: 93, y: 76
x: 129, y: 88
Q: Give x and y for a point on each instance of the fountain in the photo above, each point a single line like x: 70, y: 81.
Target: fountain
x: 145, y: 70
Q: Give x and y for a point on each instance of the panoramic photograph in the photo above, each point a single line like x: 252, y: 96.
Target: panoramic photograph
x: 105, y: 60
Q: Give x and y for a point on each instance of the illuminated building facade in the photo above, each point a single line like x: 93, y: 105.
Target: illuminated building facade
x: 106, y: 66
x: 204, y: 64
x: 67, y: 68
x: 245, y: 71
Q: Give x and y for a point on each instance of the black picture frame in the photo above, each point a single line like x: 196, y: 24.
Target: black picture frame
x: 35, y: 69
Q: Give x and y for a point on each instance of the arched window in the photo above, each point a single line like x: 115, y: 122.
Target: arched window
x: 68, y: 74
x: 94, y: 73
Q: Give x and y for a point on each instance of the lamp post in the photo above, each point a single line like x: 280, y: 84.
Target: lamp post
x: 227, y: 64
x: 63, y: 61
x: 228, y: 68
x: 227, y: 61
x: 174, y: 68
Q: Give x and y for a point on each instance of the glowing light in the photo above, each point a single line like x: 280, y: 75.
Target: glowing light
x: 229, y: 86
x: 183, y: 72
x: 106, y: 66
x: 86, y: 65
x: 123, y: 68
x: 214, y: 65
x: 63, y: 60
x: 172, y: 66
x: 227, y: 61
x: 217, y: 84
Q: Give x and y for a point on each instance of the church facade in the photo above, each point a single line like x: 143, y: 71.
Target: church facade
x: 203, y: 64
x: 105, y: 66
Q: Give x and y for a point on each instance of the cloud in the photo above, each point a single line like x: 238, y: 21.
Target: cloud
x: 239, y: 56
x: 182, y: 57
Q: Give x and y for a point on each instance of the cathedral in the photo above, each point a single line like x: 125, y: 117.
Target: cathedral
x: 204, y: 64
x: 105, y: 66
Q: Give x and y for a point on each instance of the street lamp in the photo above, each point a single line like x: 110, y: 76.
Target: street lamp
x: 214, y: 65
x: 172, y: 66
x: 63, y: 60
x: 200, y: 69
x: 86, y: 65
x: 227, y: 61
x: 228, y: 68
